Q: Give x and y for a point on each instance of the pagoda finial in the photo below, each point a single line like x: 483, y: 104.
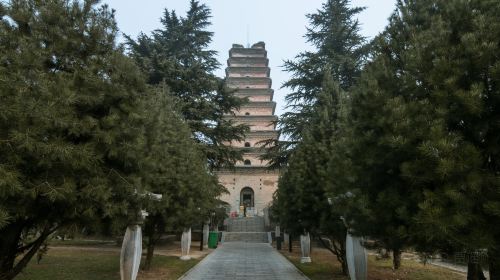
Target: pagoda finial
x: 248, y: 36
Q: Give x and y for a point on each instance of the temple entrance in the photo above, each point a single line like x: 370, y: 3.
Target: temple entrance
x: 247, y: 200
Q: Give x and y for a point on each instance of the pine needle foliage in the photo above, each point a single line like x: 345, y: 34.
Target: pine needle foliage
x: 305, y: 197
x: 70, y: 127
x: 425, y: 121
x: 340, y: 50
x: 178, y: 55
x: 174, y: 166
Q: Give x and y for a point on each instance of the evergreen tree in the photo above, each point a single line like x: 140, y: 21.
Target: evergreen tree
x: 378, y: 147
x: 311, y: 193
x: 388, y: 119
x: 70, y: 131
x: 424, y: 122
x: 174, y: 166
x: 178, y: 55
x: 459, y: 177
x: 303, y: 200
x: 340, y: 49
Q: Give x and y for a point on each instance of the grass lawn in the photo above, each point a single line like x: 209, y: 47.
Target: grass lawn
x: 81, y: 264
x: 325, y: 266
x: 84, y: 242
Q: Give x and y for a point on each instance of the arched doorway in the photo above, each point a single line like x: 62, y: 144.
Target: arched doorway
x: 247, y: 199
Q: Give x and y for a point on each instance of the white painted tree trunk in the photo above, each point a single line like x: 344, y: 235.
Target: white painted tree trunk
x: 305, y: 246
x: 278, y: 231
x: 286, y: 238
x: 186, y: 244
x: 130, y: 256
x: 205, y: 235
x: 356, y: 258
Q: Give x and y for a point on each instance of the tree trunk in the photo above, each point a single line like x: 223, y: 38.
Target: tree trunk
x: 494, y: 263
x: 475, y: 272
x: 150, y: 253
x: 396, y: 258
x: 201, y: 237
x: 342, y: 254
x: 338, y: 249
x: 290, y: 242
x: 8, y: 246
x: 342, y: 259
x: 8, y: 268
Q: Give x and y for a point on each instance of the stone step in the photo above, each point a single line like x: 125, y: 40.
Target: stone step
x: 250, y: 237
x: 250, y: 224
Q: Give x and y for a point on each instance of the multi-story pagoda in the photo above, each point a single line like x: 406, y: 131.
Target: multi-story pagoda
x: 251, y: 184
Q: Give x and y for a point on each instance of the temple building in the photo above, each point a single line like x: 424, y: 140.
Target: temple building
x: 251, y: 184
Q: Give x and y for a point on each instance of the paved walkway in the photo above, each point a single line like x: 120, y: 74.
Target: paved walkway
x: 241, y: 260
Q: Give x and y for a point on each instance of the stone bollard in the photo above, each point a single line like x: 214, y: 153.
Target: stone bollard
x: 206, y: 229
x: 186, y: 244
x: 130, y: 256
x: 305, y: 246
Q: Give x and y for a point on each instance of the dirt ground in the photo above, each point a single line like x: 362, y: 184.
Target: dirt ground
x: 325, y: 266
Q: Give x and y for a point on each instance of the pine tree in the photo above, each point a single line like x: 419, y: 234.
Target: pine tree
x: 377, y: 150
x: 424, y: 144
x: 313, y: 154
x: 174, y: 166
x: 70, y: 131
x: 304, y: 201
x: 178, y: 55
x: 460, y: 155
x: 340, y: 49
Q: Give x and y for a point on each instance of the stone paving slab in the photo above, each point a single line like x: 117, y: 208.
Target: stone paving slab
x: 242, y: 261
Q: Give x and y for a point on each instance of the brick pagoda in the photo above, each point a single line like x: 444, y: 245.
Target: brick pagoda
x: 251, y: 184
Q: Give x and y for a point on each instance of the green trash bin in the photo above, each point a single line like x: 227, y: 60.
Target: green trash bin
x: 213, y: 239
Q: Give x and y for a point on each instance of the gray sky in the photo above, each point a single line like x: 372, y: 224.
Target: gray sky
x: 281, y: 24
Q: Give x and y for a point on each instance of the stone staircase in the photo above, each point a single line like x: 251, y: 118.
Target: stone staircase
x: 248, y: 224
x: 249, y: 229
x: 250, y: 237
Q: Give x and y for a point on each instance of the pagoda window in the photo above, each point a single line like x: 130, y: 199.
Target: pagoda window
x: 247, y: 144
x: 247, y: 114
x: 247, y: 162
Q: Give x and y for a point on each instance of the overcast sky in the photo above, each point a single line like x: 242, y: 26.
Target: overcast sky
x: 281, y: 24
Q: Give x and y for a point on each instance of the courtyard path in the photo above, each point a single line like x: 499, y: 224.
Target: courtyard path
x: 241, y: 261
